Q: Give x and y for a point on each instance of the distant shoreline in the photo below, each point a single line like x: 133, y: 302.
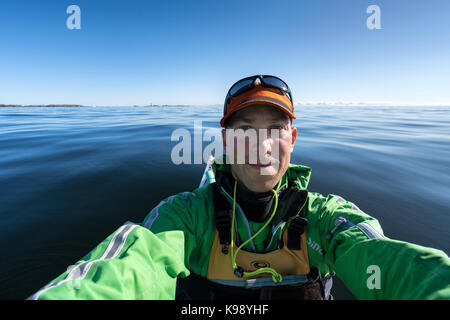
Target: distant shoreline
x: 298, y: 105
x: 79, y: 105
x: 41, y: 105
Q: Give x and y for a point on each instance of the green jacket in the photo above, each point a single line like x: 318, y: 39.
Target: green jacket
x: 143, y: 261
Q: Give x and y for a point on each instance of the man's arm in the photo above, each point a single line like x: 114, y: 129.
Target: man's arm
x: 375, y: 267
x: 137, y: 261
x: 132, y: 263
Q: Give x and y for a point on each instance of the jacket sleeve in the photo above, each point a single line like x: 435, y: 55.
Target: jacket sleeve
x: 137, y: 261
x: 373, y: 266
x: 132, y: 263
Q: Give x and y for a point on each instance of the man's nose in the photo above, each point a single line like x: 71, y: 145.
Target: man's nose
x: 266, y: 145
x: 264, y: 142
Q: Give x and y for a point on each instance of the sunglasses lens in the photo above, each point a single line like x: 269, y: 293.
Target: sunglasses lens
x: 241, y: 86
x: 277, y: 83
x: 248, y: 83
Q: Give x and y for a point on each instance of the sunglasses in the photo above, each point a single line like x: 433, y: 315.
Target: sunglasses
x: 248, y: 83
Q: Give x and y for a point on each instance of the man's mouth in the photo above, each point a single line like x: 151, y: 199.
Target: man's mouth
x: 260, y: 165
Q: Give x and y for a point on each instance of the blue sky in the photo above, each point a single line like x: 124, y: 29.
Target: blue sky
x: 190, y: 52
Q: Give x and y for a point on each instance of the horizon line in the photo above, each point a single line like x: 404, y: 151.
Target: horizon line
x: 298, y: 104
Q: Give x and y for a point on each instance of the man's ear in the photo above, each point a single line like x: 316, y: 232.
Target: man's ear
x: 294, y: 137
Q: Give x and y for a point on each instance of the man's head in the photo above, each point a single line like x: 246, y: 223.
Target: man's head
x: 265, y: 114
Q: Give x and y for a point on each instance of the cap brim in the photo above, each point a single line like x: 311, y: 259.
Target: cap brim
x: 258, y: 100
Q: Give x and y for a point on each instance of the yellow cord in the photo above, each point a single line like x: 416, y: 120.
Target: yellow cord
x: 276, y: 277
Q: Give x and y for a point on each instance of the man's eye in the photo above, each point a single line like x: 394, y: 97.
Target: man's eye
x: 278, y: 127
x: 245, y: 128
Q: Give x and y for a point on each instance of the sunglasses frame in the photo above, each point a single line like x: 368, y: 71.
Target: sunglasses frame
x: 286, y: 91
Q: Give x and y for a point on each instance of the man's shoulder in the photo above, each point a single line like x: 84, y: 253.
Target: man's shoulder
x: 331, y: 202
x: 203, y: 193
x: 331, y: 210
x: 318, y: 202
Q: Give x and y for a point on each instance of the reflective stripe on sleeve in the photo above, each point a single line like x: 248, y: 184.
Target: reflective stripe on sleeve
x: 345, y: 224
x: 369, y: 231
x: 79, y: 272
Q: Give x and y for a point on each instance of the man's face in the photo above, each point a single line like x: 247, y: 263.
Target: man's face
x: 265, y: 159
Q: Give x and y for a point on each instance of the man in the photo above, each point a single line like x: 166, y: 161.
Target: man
x: 256, y: 232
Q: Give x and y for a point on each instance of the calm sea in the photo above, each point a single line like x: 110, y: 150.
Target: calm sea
x: 70, y: 176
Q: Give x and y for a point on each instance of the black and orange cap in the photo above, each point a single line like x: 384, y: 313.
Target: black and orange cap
x: 259, y: 95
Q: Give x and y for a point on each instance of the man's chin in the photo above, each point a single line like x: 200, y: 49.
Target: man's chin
x: 262, y: 178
